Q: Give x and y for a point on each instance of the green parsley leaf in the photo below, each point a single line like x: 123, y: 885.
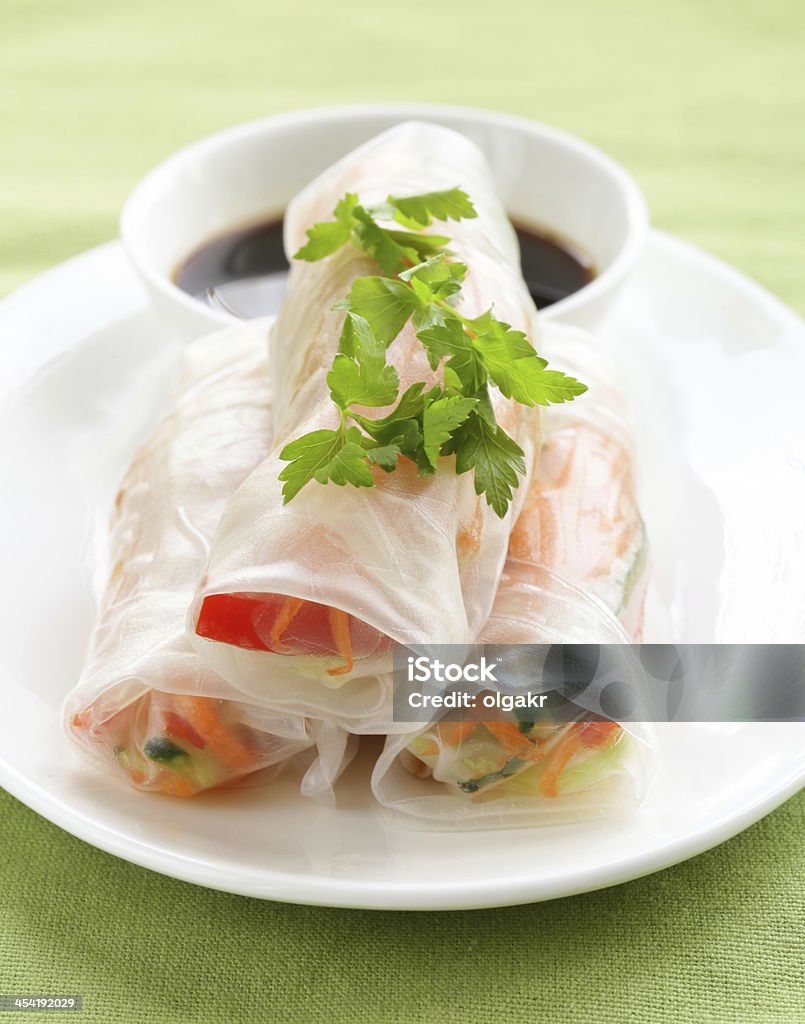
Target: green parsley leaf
x: 385, y: 304
x: 435, y: 279
x: 422, y: 291
x: 324, y: 455
x: 402, y: 425
x: 449, y: 338
x: 484, y: 408
x: 384, y: 455
x: 440, y: 419
x: 327, y: 237
x: 358, y: 340
x: 323, y: 240
x: 425, y: 245
x: 421, y: 269
x: 420, y: 211
x: 519, y: 372
x: 423, y: 283
x: 401, y: 421
x: 555, y: 387
x: 432, y: 281
x: 452, y: 381
x: 380, y: 244
x: 405, y: 434
x: 410, y: 405
x: 494, y: 456
x: 371, y: 383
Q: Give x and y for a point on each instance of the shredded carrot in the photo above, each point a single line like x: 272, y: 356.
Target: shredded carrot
x: 509, y: 736
x: 179, y: 727
x: 557, y: 761
x: 599, y: 734
x: 452, y: 733
x: 200, y: 712
x: 175, y: 785
x: 339, y: 624
x: 289, y: 609
x: 140, y: 778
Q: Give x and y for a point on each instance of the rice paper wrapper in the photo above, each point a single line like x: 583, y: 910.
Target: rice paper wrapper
x: 575, y: 574
x: 581, y: 520
x: 413, y: 559
x: 601, y: 782
x: 512, y: 772
x: 146, y: 705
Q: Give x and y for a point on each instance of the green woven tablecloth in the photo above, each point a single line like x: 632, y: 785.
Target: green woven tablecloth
x: 703, y: 101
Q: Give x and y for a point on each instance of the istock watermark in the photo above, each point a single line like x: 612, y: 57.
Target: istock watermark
x: 619, y: 682
x: 425, y: 669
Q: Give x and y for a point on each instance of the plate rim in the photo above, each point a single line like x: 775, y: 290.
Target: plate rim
x: 343, y: 893
x: 313, y: 890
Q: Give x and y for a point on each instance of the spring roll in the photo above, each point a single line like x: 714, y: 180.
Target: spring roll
x: 146, y: 704
x: 576, y: 574
x: 301, y: 601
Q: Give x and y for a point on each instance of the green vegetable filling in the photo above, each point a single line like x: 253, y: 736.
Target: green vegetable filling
x: 160, y: 748
x: 512, y: 767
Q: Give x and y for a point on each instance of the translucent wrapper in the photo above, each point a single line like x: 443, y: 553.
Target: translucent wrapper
x: 302, y: 600
x: 580, y: 520
x: 146, y: 704
x: 575, y: 574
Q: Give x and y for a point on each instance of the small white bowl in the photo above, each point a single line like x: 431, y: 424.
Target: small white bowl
x: 546, y: 178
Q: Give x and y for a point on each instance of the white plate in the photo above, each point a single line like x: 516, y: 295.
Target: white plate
x: 715, y: 364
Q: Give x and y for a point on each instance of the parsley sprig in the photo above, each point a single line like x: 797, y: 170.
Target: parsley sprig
x: 421, y: 281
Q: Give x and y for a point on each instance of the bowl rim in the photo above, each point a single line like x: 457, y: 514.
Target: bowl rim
x: 608, y: 280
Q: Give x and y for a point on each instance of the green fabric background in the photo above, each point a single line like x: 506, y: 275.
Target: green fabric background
x: 703, y: 101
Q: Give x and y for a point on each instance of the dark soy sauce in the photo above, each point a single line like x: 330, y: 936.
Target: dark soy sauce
x: 244, y: 271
